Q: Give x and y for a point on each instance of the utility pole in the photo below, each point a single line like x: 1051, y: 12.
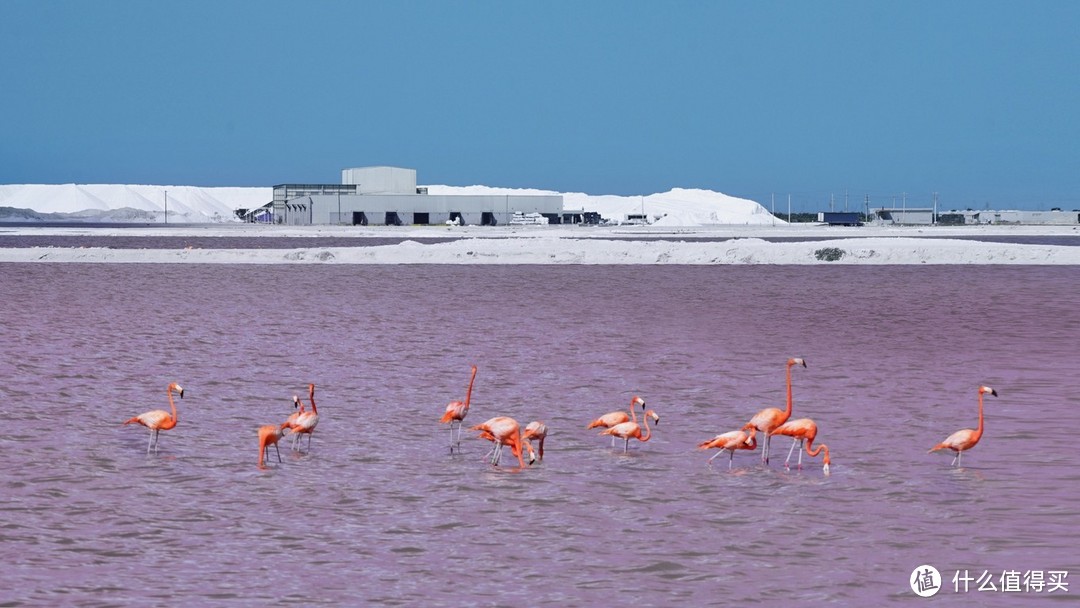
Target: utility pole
x: 166, y: 206
x: 789, y: 208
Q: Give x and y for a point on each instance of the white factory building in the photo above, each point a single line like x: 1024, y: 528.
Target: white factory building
x: 389, y: 196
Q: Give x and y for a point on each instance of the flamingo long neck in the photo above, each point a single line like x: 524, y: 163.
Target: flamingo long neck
x: 172, y: 405
x: 633, y: 412
x: 787, y: 412
x: 820, y: 447
x: 311, y: 398
x: 979, y: 429
x: 515, y: 447
x: 468, y: 393
x: 648, y: 431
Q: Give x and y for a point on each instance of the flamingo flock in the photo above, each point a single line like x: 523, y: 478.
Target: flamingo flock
x: 504, y: 431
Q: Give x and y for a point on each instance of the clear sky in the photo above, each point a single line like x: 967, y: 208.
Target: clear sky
x: 978, y: 101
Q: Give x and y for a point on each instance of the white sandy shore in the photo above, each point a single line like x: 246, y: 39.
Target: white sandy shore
x: 565, y: 245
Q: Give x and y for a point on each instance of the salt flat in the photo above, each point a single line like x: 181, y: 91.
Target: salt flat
x: 583, y: 245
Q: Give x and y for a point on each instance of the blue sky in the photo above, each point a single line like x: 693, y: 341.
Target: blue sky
x: 978, y: 101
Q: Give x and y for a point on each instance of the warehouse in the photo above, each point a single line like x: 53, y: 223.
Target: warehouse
x: 389, y: 196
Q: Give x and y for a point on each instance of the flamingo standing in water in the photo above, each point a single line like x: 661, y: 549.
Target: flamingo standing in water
x: 457, y: 410
x: 270, y: 434
x: 503, y: 430
x: 803, y: 430
x: 769, y: 418
x: 730, y: 441
x: 536, y: 430
x: 159, y: 420
x: 305, y: 423
x: 965, y: 439
x: 627, y: 430
x: 612, y: 418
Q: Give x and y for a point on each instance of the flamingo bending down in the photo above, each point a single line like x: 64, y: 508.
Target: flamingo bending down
x: 305, y: 423
x: 270, y: 434
x: 457, y: 410
x: 769, y: 418
x: 626, y: 430
x: 536, y: 430
x: 803, y: 430
x: 612, y: 418
x: 965, y: 439
x: 730, y: 441
x: 159, y: 420
x: 503, y: 430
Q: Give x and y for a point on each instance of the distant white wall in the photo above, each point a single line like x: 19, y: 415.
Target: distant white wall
x: 381, y: 180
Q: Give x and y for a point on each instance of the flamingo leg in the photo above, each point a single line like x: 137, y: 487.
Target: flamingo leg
x: 731, y: 457
x: 309, y: 436
x: 626, y: 445
x: 278, y: 453
x: 451, y: 436
x: 765, y: 451
x: 151, y: 442
x: 956, y: 461
x: 800, y: 453
x: 792, y: 449
x: 714, y: 456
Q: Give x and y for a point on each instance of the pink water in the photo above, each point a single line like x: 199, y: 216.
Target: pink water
x: 379, y: 511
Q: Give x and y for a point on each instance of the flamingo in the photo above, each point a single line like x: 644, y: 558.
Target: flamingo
x: 299, y: 406
x: 306, y: 422
x: 457, y: 410
x: 730, y: 441
x: 270, y: 434
x: 159, y: 420
x: 965, y: 439
x: 626, y: 430
x: 612, y: 418
x: 503, y: 430
x: 536, y: 430
x: 803, y: 430
x: 769, y: 418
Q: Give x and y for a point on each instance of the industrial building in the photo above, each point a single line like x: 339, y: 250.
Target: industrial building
x: 904, y: 216
x: 389, y: 196
x: 1054, y: 217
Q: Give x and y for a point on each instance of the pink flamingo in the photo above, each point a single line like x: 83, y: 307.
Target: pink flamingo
x: 305, y: 423
x: 612, y: 418
x: 803, y: 430
x: 628, y: 430
x: 965, y: 439
x: 503, y: 430
x: 270, y: 434
x: 159, y: 420
x: 457, y: 410
x: 769, y: 418
x: 298, y: 405
x: 536, y: 430
x: 730, y: 441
